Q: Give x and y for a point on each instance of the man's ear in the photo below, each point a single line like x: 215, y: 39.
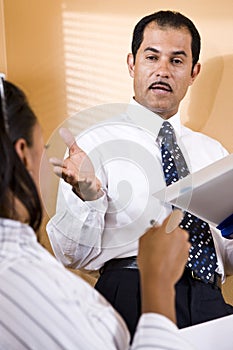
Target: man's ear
x: 195, y: 72
x: 22, y: 150
x: 130, y: 63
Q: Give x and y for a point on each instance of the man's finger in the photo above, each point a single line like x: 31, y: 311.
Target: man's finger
x: 58, y: 171
x: 69, y: 140
x: 56, y: 161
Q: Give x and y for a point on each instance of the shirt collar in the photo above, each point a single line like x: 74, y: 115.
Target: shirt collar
x: 149, y: 120
x: 16, y: 231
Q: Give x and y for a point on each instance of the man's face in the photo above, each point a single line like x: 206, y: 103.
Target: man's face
x: 162, y: 70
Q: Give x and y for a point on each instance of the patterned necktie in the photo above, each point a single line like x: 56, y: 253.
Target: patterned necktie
x: 202, y: 256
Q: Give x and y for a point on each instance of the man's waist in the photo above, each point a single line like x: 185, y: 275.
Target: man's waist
x: 131, y: 263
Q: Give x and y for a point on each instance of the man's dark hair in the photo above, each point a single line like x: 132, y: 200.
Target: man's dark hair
x: 167, y: 19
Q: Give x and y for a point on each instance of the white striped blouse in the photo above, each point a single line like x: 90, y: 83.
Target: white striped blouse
x: 44, y: 306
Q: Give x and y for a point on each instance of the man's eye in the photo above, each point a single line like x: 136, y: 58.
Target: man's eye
x: 151, y: 58
x: 176, y: 60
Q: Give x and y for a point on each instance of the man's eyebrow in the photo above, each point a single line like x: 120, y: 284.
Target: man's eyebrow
x: 178, y: 53
x: 151, y: 49
x: 175, y: 53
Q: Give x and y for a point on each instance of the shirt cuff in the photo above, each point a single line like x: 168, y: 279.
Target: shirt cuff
x: 155, y: 331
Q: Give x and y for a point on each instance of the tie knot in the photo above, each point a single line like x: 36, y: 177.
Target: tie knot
x: 166, y: 128
x: 166, y: 134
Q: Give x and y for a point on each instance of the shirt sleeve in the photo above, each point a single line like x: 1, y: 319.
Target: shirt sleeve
x: 224, y: 249
x: 86, y: 234
x: 155, y: 331
x: 75, y: 231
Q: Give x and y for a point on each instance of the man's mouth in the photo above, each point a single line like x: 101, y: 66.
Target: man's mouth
x: 160, y: 86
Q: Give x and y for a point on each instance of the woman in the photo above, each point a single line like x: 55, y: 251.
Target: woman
x: 42, y: 305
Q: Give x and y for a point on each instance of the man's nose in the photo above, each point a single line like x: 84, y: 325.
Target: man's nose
x: 163, y: 69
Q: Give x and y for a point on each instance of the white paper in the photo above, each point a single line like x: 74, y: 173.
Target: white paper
x: 207, y: 193
x: 212, y: 335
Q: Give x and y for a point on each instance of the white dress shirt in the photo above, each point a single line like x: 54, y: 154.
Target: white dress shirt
x: 127, y: 160
x: 44, y: 306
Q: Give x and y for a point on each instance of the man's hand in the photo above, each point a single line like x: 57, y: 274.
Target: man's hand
x: 77, y: 169
x: 163, y: 253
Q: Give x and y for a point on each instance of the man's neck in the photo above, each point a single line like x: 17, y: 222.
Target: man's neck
x: 161, y: 114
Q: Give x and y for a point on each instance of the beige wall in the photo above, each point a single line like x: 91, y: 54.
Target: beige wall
x: 3, y: 63
x: 70, y: 55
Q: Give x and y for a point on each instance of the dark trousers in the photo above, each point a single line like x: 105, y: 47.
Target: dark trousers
x: 196, y: 301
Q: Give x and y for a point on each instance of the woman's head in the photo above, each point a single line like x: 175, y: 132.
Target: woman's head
x: 21, y: 146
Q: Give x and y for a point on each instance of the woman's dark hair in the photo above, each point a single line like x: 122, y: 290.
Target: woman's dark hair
x: 17, y: 120
x: 167, y: 19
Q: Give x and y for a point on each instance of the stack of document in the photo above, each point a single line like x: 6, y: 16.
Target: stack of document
x: 207, y: 193
x: 211, y: 335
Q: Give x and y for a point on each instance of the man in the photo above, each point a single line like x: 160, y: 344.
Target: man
x: 90, y: 228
